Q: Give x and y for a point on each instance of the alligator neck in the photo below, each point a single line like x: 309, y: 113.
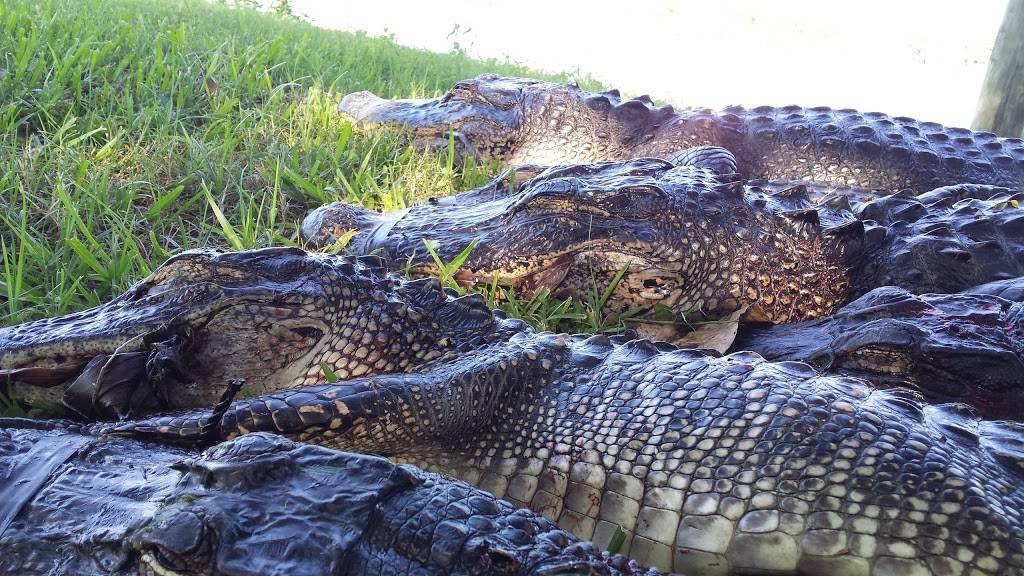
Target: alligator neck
x: 777, y: 273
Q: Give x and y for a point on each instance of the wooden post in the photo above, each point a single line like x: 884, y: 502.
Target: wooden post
x: 1001, y: 103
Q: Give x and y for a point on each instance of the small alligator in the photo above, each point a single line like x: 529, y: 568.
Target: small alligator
x: 710, y: 465
x: 259, y: 505
x: 730, y: 465
x: 523, y: 121
x: 690, y: 239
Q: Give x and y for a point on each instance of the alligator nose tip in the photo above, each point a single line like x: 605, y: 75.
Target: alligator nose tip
x: 323, y: 226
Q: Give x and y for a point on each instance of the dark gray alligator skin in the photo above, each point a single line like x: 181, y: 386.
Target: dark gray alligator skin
x: 261, y: 505
x: 729, y: 465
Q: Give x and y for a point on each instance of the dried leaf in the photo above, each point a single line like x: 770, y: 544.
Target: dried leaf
x: 718, y: 335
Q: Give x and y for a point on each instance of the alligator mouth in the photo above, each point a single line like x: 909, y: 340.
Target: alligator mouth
x: 45, y: 376
x: 548, y: 274
x: 119, y: 382
x: 588, y: 266
x: 436, y: 123
x: 427, y: 117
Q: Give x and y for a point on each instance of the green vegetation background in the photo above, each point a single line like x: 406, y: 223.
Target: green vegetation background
x: 133, y: 129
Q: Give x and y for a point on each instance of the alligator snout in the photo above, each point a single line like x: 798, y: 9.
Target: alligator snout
x: 366, y: 106
x: 327, y: 224
x: 359, y: 104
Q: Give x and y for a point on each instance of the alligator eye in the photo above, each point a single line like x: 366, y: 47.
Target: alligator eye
x: 462, y: 90
x: 636, y: 200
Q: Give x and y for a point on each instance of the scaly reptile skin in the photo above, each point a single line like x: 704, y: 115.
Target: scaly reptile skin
x: 961, y: 347
x: 730, y: 465
x: 525, y: 121
x: 261, y: 505
x: 692, y: 240
x: 951, y: 347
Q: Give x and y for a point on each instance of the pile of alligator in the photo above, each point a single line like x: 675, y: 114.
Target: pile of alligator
x: 281, y: 411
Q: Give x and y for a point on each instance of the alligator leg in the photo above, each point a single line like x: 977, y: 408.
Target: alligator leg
x: 728, y: 465
x: 714, y: 158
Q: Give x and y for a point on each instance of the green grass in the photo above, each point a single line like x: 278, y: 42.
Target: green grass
x: 130, y: 130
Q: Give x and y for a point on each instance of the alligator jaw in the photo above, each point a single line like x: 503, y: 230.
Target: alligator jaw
x: 43, y: 376
x: 476, y: 125
x: 104, y: 362
x: 366, y: 106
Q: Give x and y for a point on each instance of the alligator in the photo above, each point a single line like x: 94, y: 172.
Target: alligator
x: 1011, y: 289
x: 708, y: 464
x: 163, y: 344
x: 694, y: 240
x: 260, y: 505
x: 522, y: 121
x: 711, y: 465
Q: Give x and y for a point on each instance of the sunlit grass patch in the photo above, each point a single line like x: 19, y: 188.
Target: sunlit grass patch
x: 130, y: 130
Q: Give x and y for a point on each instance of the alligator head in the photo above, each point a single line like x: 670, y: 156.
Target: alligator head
x: 686, y: 237
x: 332, y: 512
x: 950, y: 347
x: 277, y: 318
x: 517, y: 120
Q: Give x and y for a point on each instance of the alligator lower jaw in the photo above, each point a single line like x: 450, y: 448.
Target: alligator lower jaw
x: 44, y: 376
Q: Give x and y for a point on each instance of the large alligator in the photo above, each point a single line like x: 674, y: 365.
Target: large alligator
x: 523, y: 121
x: 730, y: 465
x: 260, y: 505
x: 710, y: 465
x: 205, y: 317
x: 694, y: 240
